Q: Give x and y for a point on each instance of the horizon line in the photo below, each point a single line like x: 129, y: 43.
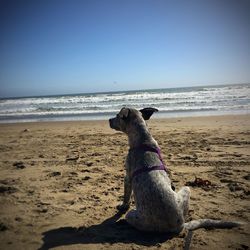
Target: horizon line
x: 119, y: 91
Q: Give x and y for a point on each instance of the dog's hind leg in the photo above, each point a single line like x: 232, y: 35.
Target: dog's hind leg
x: 135, y: 220
x: 183, y: 197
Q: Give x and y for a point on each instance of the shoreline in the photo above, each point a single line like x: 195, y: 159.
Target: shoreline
x: 61, y: 182
x: 106, y: 116
x: 198, y: 117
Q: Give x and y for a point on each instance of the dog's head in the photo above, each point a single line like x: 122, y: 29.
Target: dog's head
x: 128, y: 116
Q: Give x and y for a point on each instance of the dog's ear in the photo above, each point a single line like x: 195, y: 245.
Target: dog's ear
x: 147, y: 112
x: 124, y: 113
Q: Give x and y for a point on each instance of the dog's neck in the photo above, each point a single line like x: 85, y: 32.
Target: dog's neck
x: 138, y: 135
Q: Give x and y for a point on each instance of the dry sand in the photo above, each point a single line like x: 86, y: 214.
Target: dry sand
x: 60, y: 183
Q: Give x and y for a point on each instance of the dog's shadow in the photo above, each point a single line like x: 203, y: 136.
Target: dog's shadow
x: 112, y: 230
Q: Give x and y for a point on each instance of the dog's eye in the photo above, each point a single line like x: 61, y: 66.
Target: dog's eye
x: 120, y: 117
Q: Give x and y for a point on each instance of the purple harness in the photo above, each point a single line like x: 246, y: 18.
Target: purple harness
x: 150, y: 168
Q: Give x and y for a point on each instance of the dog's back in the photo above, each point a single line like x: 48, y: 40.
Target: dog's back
x: 155, y: 200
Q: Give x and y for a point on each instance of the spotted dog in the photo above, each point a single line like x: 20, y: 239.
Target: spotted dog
x: 158, y: 207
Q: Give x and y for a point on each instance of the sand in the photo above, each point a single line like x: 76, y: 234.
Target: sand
x: 60, y: 183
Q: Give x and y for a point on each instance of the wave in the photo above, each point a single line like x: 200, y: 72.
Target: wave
x: 196, y: 99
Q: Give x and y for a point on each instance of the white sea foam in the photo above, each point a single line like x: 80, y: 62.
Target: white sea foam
x: 233, y: 98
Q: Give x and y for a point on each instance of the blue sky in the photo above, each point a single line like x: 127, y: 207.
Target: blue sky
x: 59, y: 47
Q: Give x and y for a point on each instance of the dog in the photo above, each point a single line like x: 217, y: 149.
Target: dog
x: 158, y: 207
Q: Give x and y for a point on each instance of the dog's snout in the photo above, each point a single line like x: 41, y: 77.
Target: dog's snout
x: 111, y: 123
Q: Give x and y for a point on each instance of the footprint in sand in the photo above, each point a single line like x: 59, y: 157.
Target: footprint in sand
x: 7, y: 189
x: 7, y: 186
x: 4, y: 148
x: 234, y: 186
x: 73, y: 174
x: 53, y: 174
x: 3, y: 227
x: 19, y: 165
x: 72, y: 158
x: 247, y: 177
x: 86, y: 178
x: 89, y: 164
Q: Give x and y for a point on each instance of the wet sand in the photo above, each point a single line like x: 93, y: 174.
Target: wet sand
x: 60, y: 183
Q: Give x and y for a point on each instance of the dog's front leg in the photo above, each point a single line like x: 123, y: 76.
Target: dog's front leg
x: 127, y: 194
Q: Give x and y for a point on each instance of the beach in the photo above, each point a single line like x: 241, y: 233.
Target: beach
x: 60, y: 182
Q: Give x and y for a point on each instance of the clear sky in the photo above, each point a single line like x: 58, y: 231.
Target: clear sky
x: 70, y: 46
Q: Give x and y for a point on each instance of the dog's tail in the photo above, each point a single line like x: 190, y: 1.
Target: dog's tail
x: 209, y: 224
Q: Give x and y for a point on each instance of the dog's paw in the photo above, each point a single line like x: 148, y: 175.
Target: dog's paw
x: 123, y: 207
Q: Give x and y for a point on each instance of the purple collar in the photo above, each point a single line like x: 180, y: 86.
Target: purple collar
x: 156, y: 150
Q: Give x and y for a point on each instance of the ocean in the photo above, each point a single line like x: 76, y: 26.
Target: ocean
x: 171, y: 102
